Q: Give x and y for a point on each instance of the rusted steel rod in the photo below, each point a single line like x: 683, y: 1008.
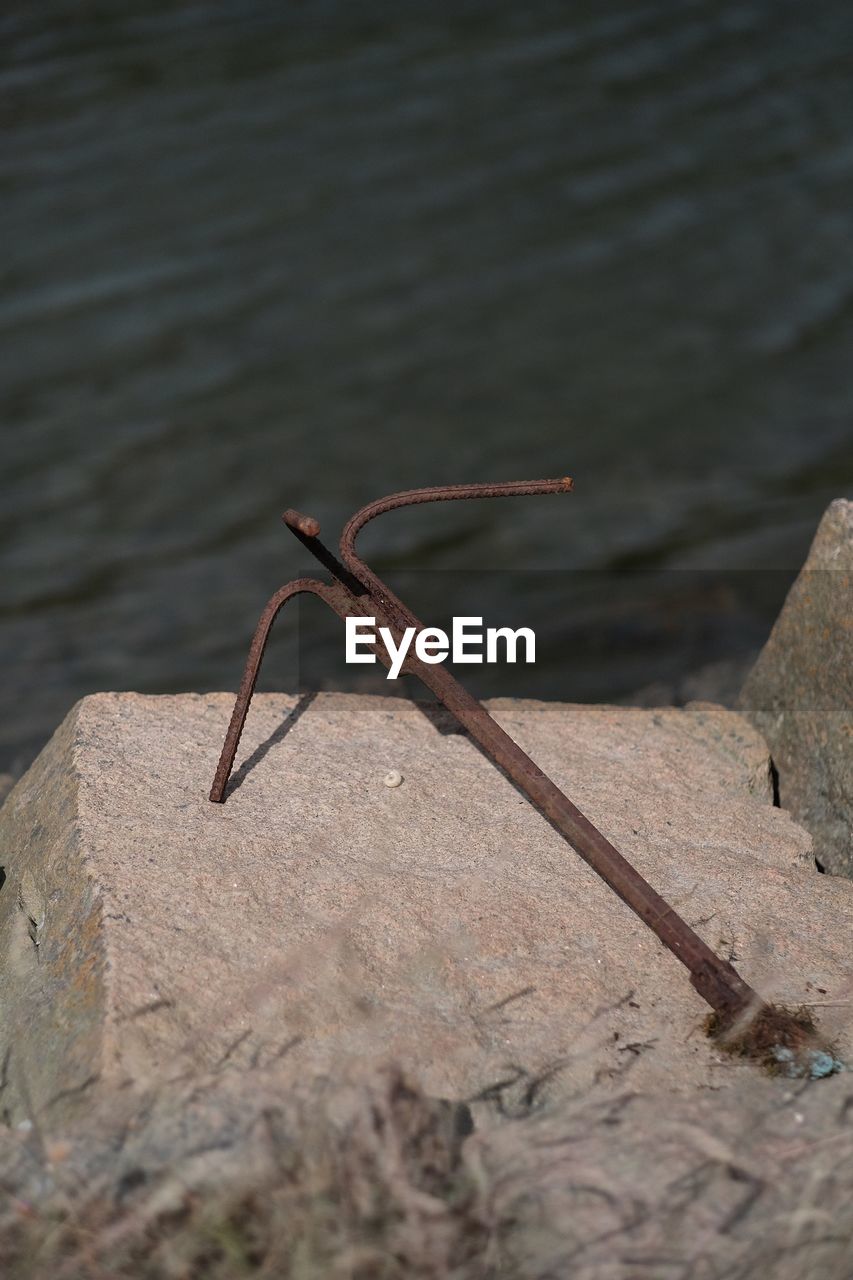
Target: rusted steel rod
x: 326, y: 591
x: 358, y: 591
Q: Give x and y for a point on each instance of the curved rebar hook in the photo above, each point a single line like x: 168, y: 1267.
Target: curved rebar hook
x: 411, y: 498
x: 336, y: 597
x: 347, y: 595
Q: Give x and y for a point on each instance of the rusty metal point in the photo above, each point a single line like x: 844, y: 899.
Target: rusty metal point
x: 300, y: 523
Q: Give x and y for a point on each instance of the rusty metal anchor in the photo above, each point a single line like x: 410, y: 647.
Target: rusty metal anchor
x: 356, y: 591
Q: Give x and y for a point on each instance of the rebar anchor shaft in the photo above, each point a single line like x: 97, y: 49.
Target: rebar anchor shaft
x: 356, y: 591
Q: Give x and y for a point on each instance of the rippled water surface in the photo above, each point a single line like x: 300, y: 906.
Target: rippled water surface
x: 260, y: 255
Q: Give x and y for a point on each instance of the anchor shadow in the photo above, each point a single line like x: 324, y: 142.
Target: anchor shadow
x: 263, y: 749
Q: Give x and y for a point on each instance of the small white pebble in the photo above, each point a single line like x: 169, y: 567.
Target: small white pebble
x: 392, y: 778
x: 799, y: 1117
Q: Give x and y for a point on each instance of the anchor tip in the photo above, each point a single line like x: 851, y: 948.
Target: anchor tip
x: 305, y: 525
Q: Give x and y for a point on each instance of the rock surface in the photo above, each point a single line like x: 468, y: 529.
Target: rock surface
x: 239, y: 1174
x: 800, y: 693
x: 319, y: 918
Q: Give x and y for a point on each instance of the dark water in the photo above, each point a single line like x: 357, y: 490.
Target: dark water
x: 259, y: 255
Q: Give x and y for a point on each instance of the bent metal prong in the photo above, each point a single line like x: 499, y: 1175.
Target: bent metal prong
x: 356, y: 591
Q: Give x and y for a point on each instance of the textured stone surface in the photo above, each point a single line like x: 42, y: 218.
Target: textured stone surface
x: 232, y: 1175
x: 319, y: 917
x: 744, y: 1182
x: 800, y: 693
